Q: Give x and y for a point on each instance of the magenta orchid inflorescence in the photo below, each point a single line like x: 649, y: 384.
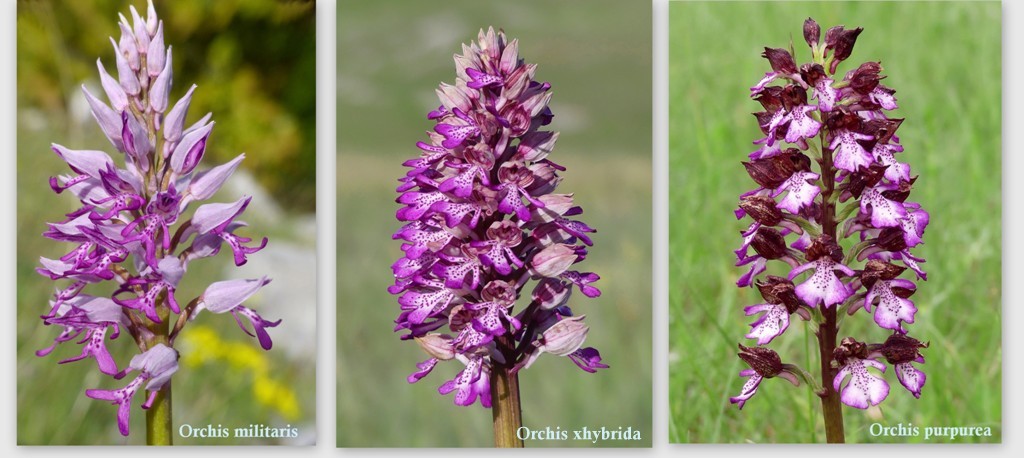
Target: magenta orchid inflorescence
x: 482, y: 220
x: 131, y: 230
x: 828, y: 177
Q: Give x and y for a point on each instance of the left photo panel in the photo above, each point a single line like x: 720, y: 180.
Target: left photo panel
x: 166, y: 222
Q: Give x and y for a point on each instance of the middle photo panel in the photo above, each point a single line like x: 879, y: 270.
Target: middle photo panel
x: 494, y: 224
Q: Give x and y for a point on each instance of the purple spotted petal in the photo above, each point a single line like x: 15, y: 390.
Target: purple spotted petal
x: 884, y: 212
x: 469, y: 384
x: 849, y: 154
x: 823, y: 287
x: 802, y: 126
x: 801, y: 193
x: 121, y: 398
x: 864, y: 389
x: 913, y: 226
x: 454, y: 136
x: 910, y: 377
x: 895, y: 171
x: 424, y: 367
x: 749, y: 388
x: 479, y: 79
x: 883, y: 98
x: 425, y: 303
x: 770, y: 325
x: 826, y: 94
x: 892, y: 310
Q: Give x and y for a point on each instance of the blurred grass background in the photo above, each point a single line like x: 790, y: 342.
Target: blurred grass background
x: 943, y: 59
x: 255, y: 58
x: 254, y: 64
x: 391, y: 57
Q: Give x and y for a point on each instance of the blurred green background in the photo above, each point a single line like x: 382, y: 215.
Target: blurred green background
x: 597, y: 57
x: 254, y: 64
x: 943, y: 59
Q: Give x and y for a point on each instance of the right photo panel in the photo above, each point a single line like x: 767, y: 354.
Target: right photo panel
x: 835, y: 222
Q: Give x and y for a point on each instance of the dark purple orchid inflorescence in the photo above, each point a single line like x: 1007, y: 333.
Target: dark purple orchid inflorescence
x: 828, y: 177
x: 132, y: 230
x: 481, y: 221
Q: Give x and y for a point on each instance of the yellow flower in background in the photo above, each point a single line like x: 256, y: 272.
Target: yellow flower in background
x: 202, y: 346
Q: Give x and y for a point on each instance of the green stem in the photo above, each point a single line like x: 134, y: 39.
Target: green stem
x: 506, y: 409
x: 159, y: 426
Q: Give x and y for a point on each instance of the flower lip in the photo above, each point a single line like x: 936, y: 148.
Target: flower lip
x: 843, y: 44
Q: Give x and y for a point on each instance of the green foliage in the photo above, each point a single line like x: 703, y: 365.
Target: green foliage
x: 597, y: 57
x: 943, y: 59
x: 253, y: 60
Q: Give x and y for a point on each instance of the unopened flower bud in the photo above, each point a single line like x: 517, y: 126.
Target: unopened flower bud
x: 565, y: 336
x: 780, y: 60
x: 812, y: 32
x: 553, y: 260
x: 843, y: 45
x: 865, y: 78
x: 437, y: 346
x: 762, y: 360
